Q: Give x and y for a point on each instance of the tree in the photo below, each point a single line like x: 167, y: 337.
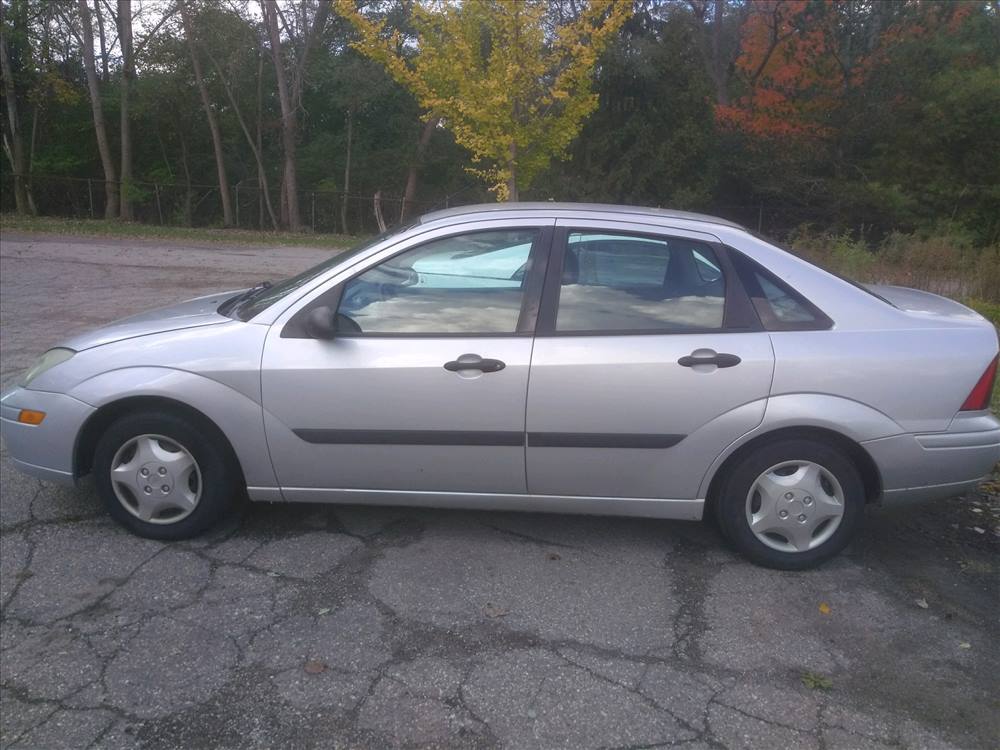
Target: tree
x: 290, y: 94
x: 125, y: 93
x: 14, y: 147
x: 97, y: 108
x: 512, y: 94
x: 213, y: 125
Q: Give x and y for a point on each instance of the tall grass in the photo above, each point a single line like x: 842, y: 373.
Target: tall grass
x: 944, y: 263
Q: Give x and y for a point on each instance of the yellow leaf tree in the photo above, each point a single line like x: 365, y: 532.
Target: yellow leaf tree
x: 513, y: 86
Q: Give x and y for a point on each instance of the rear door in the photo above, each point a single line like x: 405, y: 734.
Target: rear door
x: 648, y: 361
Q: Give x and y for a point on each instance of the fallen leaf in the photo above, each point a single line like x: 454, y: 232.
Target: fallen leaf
x: 273, y: 574
x: 494, y: 611
x: 553, y: 556
x: 315, y: 667
x: 977, y: 510
x: 978, y: 530
x: 324, y: 611
x: 815, y: 681
x: 965, y: 645
x: 824, y: 608
x: 922, y: 603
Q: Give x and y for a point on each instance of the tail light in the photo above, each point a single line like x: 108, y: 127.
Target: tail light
x: 979, y: 398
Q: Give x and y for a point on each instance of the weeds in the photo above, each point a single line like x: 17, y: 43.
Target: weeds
x: 946, y: 264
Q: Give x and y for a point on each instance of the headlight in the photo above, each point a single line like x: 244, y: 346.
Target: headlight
x: 47, y: 361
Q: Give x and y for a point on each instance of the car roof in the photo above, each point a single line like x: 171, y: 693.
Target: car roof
x: 553, y: 207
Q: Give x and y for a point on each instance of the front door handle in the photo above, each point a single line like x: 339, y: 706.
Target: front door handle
x: 709, y: 358
x: 474, y: 362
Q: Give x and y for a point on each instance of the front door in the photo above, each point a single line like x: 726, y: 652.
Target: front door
x: 423, y: 388
x: 648, y: 362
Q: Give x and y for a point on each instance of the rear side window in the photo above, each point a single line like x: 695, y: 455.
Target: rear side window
x: 779, y: 307
x: 619, y: 282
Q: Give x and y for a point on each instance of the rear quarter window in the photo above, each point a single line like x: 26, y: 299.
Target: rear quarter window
x: 779, y: 307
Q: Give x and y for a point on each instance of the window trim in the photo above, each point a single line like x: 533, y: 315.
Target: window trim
x: 538, y: 258
x: 738, y: 314
x: 747, y: 269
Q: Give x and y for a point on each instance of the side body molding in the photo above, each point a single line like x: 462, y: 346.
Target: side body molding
x: 238, y: 416
x: 852, y: 419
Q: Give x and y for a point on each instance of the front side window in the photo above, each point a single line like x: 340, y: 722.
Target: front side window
x: 466, y: 284
x: 615, y: 282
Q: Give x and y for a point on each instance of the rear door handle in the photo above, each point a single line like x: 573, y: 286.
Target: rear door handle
x: 719, y: 360
x: 474, y: 362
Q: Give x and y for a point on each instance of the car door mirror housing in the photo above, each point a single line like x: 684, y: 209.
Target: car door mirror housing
x: 321, y: 323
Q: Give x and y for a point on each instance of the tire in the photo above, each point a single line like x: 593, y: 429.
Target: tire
x: 791, y: 504
x: 193, y: 480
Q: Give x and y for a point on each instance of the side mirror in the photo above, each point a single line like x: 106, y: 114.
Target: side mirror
x: 321, y: 323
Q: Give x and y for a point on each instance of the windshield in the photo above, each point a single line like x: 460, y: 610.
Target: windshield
x: 246, y: 307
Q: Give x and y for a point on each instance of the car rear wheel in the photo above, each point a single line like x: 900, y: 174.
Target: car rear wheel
x: 162, y: 477
x: 791, y: 504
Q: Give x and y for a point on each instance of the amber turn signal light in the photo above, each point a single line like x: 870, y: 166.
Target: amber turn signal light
x: 30, y: 416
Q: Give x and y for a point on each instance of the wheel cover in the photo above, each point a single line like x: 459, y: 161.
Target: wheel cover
x: 795, y: 506
x: 156, y: 479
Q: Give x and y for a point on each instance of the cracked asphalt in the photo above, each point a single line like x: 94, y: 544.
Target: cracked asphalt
x: 345, y: 626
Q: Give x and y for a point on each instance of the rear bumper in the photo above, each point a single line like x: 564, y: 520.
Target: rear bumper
x: 46, y: 450
x: 939, y: 465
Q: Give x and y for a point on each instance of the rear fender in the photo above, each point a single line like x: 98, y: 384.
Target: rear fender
x: 851, y: 419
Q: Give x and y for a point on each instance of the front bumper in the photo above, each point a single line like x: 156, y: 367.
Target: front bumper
x: 46, y: 450
x: 938, y: 465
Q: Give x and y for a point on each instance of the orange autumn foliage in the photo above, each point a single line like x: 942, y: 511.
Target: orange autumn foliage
x: 797, y: 62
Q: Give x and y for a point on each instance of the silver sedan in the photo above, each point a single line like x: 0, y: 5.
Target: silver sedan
x: 532, y: 357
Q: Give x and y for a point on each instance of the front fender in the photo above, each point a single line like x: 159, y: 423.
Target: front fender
x: 852, y: 419
x: 239, y: 417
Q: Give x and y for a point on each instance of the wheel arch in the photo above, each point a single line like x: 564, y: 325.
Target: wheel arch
x: 98, y: 422
x: 862, y: 460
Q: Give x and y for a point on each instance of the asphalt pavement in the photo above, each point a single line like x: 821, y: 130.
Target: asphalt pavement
x: 344, y: 626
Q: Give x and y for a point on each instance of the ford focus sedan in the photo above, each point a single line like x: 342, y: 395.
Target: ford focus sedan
x: 531, y: 357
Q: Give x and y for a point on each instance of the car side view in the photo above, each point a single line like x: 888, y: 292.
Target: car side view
x: 532, y: 357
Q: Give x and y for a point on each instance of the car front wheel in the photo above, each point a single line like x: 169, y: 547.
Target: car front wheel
x: 162, y: 477
x: 791, y: 504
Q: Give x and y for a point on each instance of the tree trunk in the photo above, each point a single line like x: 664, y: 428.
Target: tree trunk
x: 261, y: 177
x: 188, y: 192
x: 288, y: 117
x: 104, y: 44
x: 512, y: 177
x: 255, y: 145
x: 213, y: 124
x: 347, y: 172
x: 411, y: 177
x: 719, y: 66
x: 100, y: 128
x: 16, y: 150
x: 128, y: 74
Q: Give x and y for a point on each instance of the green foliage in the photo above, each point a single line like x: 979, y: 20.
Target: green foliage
x: 815, y: 681
x: 652, y: 140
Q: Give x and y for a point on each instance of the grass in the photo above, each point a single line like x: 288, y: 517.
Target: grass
x: 133, y: 230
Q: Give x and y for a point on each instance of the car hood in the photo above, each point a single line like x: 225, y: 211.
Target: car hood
x: 917, y: 301
x: 200, y: 311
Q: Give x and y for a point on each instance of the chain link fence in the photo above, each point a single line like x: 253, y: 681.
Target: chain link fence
x: 201, y: 205
x: 329, y: 212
